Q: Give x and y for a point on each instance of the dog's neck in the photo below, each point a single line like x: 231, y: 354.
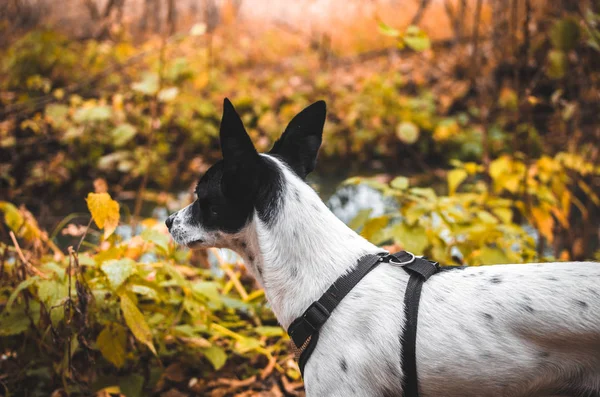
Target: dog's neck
x: 299, y: 255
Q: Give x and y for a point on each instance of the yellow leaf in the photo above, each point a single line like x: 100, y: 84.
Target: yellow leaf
x: 486, y: 217
x: 400, y: 183
x: 20, y: 221
x: 105, y: 211
x: 112, y: 342
x: 455, y: 178
x: 500, y: 166
x: 413, y: 239
x: 492, y: 256
x: 373, y: 226
x: 544, y: 222
x: 407, y: 132
x: 136, y: 322
x: 505, y: 214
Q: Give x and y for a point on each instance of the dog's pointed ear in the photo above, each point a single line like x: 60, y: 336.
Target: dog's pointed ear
x: 299, y: 144
x: 236, y: 145
x: 240, y: 159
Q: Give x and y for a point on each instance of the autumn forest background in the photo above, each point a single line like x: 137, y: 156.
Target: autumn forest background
x: 465, y: 130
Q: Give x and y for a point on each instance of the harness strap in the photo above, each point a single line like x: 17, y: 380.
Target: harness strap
x: 305, y: 328
x: 304, y: 331
x: 420, y: 270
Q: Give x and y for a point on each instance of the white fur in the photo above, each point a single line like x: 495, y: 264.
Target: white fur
x: 510, y: 330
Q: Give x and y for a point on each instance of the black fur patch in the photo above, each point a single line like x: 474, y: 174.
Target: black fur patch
x: 582, y: 304
x: 344, y: 365
x: 214, y: 210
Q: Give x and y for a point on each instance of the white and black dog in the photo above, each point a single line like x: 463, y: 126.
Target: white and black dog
x: 505, y: 330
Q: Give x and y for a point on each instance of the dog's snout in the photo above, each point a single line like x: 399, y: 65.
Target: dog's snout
x: 169, y: 221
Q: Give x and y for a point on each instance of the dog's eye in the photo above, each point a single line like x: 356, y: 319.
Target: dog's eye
x: 213, y: 210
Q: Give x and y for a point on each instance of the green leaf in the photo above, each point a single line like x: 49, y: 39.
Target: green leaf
x: 216, y: 356
x: 557, y: 64
x: 132, y: 385
x: 416, y: 39
x: 388, y: 30
x: 118, y: 271
x: 157, y: 238
x: 208, y: 290
x: 16, y: 320
x: 360, y: 219
x: 122, y: 134
x: 13, y: 322
x: 51, y: 292
x: 22, y: 285
x: 564, y: 34
x: 112, y: 342
x: 455, y: 178
x: 148, y: 85
x: 168, y: 94
x: 269, y: 331
x: 57, y: 114
x: 400, y: 183
x: 92, y: 114
x: 247, y: 344
x: 407, y: 132
x: 136, y: 322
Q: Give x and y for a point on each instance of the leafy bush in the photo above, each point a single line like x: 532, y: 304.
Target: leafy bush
x: 114, y: 316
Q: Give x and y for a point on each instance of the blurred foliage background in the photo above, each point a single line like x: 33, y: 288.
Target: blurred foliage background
x: 465, y: 130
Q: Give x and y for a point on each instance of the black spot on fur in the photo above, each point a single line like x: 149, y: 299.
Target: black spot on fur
x: 251, y: 258
x: 582, y: 304
x: 496, y: 280
x: 528, y: 308
x: 244, y: 245
x: 296, y: 194
x: 543, y: 354
x: 344, y: 365
x: 488, y: 316
x: 551, y: 278
x: 486, y: 355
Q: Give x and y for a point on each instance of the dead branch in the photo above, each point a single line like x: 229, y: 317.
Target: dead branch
x: 32, y: 269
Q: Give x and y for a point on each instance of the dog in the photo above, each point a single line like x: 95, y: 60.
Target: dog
x: 503, y: 330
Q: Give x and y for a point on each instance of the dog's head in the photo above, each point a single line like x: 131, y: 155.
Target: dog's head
x: 245, y: 184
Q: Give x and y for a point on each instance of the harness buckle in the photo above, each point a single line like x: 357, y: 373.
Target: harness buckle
x: 394, y: 261
x: 316, y: 315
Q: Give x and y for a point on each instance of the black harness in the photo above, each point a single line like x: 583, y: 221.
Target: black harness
x: 304, y: 331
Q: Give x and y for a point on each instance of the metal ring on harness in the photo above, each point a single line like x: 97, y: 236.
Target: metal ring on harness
x: 408, y: 262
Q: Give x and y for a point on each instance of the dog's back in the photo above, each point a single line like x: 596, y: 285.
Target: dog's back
x: 515, y: 330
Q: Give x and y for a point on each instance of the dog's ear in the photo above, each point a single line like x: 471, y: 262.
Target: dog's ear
x: 300, y: 142
x: 236, y: 145
x: 239, y: 155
